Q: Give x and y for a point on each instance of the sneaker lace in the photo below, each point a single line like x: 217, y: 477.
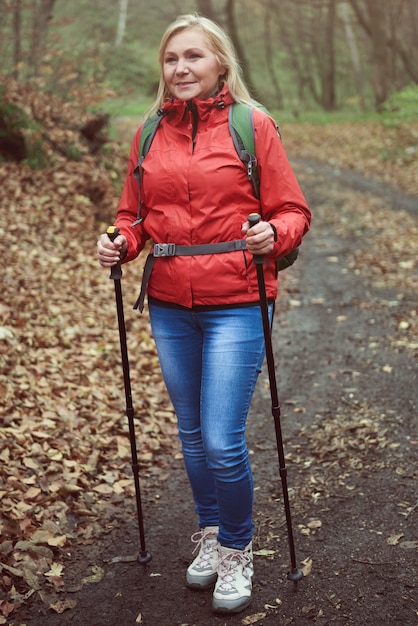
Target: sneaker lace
x: 227, y: 566
x: 205, y: 540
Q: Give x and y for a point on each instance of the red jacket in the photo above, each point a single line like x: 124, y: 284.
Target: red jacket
x: 195, y: 191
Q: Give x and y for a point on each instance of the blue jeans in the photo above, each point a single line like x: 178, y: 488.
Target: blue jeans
x: 210, y: 361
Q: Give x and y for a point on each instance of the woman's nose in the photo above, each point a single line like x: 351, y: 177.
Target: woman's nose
x: 181, y: 67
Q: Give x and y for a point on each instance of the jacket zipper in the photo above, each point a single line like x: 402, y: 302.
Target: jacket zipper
x: 195, y: 118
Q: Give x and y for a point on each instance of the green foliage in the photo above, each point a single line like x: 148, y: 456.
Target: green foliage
x: 21, y: 134
x: 132, y: 69
x: 37, y: 157
x: 401, y: 106
x: 284, y: 48
x: 72, y: 152
x: 126, y: 105
x: 12, y: 116
x: 321, y: 117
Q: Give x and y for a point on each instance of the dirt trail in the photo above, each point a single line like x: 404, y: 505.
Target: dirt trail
x: 349, y: 402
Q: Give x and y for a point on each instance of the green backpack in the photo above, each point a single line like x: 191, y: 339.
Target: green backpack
x: 241, y: 128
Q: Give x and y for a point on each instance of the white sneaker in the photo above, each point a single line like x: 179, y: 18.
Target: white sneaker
x: 232, y: 592
x: 202, y: 573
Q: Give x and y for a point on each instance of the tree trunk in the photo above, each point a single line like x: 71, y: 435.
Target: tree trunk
x: 291, y: 34
x: 42, y: 15
x: 233, y: 33
x: 278, y: 94
x: 123, y: 13
x: 205, y: 7
x: 380, y: 57
x: 17, y: 31
x: 405, y: 38
x: 373, y: 20
x: 352, y: 46
x: 328, y: 71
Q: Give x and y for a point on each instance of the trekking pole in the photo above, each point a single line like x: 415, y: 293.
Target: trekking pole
x: 116, y: 275
x: 295, y: 574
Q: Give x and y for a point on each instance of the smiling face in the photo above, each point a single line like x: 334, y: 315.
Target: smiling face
x: 190, y: 67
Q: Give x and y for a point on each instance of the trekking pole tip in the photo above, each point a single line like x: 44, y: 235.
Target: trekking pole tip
x: 144, y: 557
x: 295, y: 575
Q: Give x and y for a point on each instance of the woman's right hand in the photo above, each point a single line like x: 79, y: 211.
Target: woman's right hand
x: 111, y: 252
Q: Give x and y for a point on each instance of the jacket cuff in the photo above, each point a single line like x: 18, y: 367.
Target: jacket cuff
x: 274, y: 229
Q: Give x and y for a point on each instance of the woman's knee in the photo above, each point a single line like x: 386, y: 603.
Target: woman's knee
x: 230, y: 461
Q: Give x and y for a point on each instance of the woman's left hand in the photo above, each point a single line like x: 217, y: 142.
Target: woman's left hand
x: 260, y: 237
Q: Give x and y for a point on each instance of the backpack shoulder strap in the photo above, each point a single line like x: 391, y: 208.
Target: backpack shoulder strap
x: 241, y: 128
x: 148, y: 130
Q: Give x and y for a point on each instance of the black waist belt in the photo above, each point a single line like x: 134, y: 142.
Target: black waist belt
x: 172, y: 249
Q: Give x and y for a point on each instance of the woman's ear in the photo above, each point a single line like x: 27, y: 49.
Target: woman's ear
x: 223, y: 73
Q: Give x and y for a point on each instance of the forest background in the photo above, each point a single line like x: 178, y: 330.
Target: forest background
x: 296, y: 55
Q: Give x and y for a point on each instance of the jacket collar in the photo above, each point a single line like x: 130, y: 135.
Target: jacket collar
x: 177, y: 108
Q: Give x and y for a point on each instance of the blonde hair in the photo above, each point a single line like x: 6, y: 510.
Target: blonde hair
x: 220, y: 44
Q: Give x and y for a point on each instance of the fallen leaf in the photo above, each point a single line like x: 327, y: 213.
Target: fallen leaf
x: 95, y: 577
x: 103, y: 489
x: 32, y: 493
x: 307, y: 566
x: 6, y: 333
x: 409, y: 545
x: 253, y: 619
x: 57, y: 542
x: 55, y: 570
x: 62, y: 605
x: 12, y: 570
x: 43, y: 536
x: 393, y: 540
x: 316, y: 523
x: 264, y: 552
x: 6, y: 608
x: 273, y: 606
x: 124, y: 559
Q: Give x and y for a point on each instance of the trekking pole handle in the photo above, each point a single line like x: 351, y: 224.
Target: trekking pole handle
x: 116, y: 270
x: 253, y: 219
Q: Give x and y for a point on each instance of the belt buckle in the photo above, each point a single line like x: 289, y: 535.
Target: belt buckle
x: 164, y: 249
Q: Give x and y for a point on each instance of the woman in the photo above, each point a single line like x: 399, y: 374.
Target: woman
x: 204, y: 309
